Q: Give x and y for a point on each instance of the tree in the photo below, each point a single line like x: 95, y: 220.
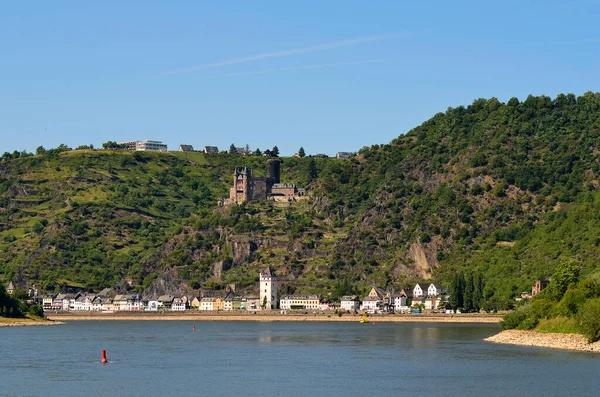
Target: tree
x: 312, y: 169
x: 565, y: 274
x: 457, y: 292
x: 301, y: 152
x: 40, y: 150
x: 275, y: 151
x: 257, y: 152
x: 477, y: 291
x: 232, y: 149
x: 111, y: 145
x: 468, y: 292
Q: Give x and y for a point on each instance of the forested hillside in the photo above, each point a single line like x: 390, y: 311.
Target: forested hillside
x: 508, y: 190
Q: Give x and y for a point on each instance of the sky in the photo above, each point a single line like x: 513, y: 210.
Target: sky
x: 325, y: 75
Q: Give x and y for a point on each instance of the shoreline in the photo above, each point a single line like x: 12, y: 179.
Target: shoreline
x: 195, y: 316
x: 573, y: 342
x: 28, y: 323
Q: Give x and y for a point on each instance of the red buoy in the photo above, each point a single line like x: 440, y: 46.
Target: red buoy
x: 193, y: 328
x: 104, y: 360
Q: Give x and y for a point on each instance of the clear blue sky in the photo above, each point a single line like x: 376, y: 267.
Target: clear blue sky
x: 327, y: 75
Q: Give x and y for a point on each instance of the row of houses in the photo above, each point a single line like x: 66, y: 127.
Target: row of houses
x: 135, y: 302
x: 378, y: 300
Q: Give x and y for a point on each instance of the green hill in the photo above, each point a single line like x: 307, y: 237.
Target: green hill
x: 506, y: 190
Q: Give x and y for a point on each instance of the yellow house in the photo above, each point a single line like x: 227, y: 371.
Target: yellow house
x: 195, y: 303
x: 219, y: 304
x: 378, y: 293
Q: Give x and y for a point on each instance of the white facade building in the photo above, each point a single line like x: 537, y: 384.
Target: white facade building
x: 400, y: 303
x: 179, y: 305
x: 420, y: 290
x: 350, y: 303
x: 434, y: 290
x: 156, y: 146
x: 207, y: 304
x: 268, y: 289
x: 372, y: 304
x: 300, y: 302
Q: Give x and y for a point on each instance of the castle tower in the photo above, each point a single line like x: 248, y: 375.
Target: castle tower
x: 273, y: 171
x: 240, y: 191
x: 268, y: 289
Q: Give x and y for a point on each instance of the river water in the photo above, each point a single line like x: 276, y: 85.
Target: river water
x: 168, y: 358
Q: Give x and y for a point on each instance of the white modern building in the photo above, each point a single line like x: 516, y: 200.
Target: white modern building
x: 156, y: 146
x: 147, y: 145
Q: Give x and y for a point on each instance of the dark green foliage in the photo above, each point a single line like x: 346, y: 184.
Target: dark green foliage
x: 36, y: 310
x: 9, y: 306
x: 301, y: 152
x: 513, y: 319
x: 564, y: 275
x: 588, y: 319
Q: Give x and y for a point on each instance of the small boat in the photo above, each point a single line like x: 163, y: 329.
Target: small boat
x: 364, y: 320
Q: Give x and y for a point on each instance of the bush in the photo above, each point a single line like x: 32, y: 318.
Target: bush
x: 36, y: 310
x: 514, y: 319
x: 588, y: 319
x: 570, y: 302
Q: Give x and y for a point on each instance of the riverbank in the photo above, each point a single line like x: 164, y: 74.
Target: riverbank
x: 235, y: 316
x: 546, y: 340
x: 26, y: 322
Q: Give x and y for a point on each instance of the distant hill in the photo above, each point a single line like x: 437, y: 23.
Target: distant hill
x: 505, y: 189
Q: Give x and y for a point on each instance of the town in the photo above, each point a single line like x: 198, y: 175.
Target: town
x: 423, y: 297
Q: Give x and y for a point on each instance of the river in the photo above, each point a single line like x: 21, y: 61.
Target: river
x: 169, y: 358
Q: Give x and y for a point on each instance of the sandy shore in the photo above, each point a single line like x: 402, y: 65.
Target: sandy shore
x: 195, y: 316
x: 26, y: 323
x: 548, y: 340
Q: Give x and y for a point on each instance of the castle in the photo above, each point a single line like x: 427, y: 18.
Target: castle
x: 247, y: 187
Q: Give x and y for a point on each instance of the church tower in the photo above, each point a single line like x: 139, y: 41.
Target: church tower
x: 268, y: 289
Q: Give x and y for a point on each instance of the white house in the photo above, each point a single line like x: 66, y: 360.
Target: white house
x: 400, y: 303
x: 372, y: 304
x: 350, y: 303
x: 207, y: 304
x: 268, y: 289
x: 152, y: 305
x: 84, y: 302
x: 121, y: 302
x: 434, y: 290
x: 228, y: 303
x: 179, y: 304
x: 420, y: 290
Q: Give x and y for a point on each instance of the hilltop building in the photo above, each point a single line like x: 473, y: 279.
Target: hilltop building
x: 344, y: 155
x: 186, y: 148
x: 211, y: 149
x: 147, y: 145
x: 247, y: 187
x: 268, y: 289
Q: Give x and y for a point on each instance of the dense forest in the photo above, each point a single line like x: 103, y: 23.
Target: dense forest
x: 507, y: 191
